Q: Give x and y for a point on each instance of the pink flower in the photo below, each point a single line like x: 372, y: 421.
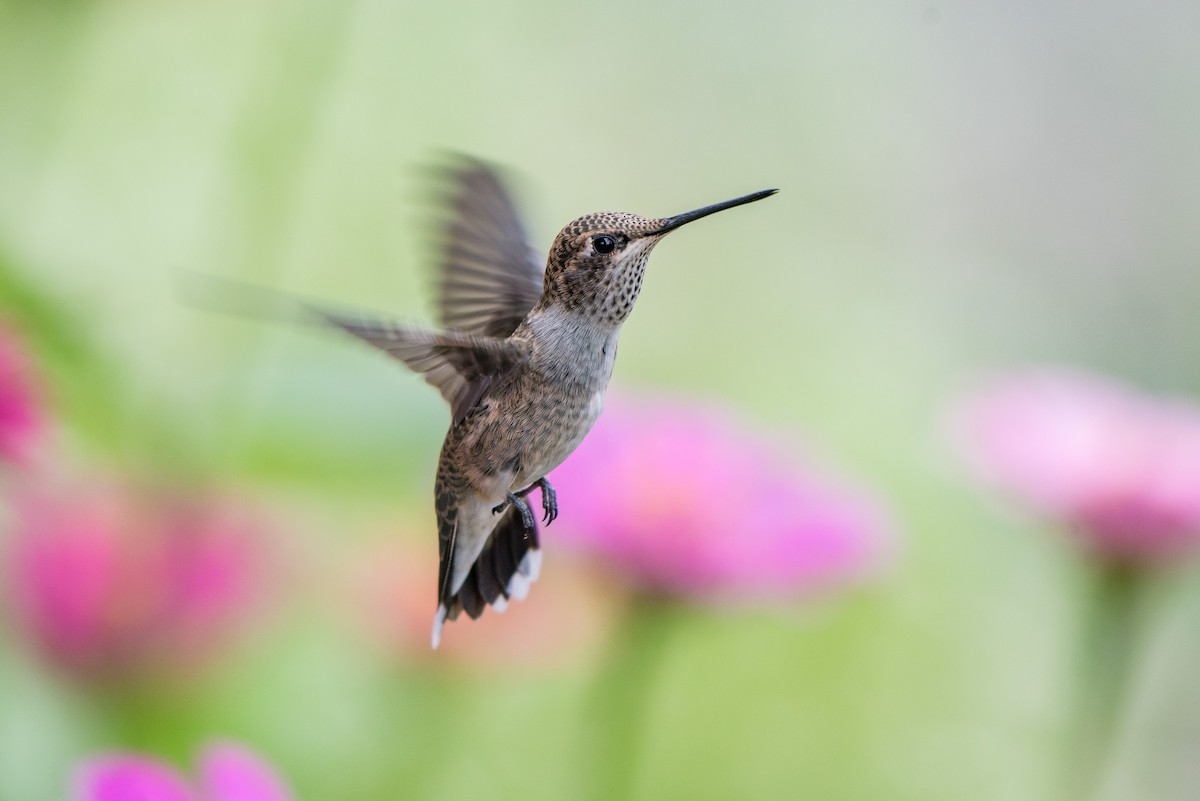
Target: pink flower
x: 21, y: 420
x: 228, y: 772
x: 1121, y: 468
x: 115, y: 580
x: 687, y: 502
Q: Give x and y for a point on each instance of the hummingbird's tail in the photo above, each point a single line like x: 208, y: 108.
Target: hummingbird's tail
x: 502, y: 567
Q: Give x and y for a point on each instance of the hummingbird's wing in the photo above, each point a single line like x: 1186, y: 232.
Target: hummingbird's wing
x: 489, y: 277
x: 460, y: 365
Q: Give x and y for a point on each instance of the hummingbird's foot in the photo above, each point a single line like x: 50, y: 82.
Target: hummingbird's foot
x: 518, y: 500
x: 549, y: 500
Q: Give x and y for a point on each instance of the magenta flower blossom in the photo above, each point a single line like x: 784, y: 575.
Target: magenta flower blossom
x: 686, y: 502
x: 1120, y: 468
x: 112, y: 581
x: 227, y: 772
x: 21, y: 420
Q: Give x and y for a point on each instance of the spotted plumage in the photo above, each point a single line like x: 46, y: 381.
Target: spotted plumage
x: 523, y: 360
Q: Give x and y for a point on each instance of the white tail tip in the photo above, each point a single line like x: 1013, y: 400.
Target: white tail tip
x: 438, y: 621
x: 527, y: 573
x: 518, y: 587
x: 531, y: 565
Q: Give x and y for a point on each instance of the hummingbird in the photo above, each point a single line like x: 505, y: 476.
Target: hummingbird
x: 523, y: 358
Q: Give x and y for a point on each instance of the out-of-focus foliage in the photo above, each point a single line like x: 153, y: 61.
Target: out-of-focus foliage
x: 963, y: 186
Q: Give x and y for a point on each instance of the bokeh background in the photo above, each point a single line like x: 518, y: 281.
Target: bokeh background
x: 966, y: 187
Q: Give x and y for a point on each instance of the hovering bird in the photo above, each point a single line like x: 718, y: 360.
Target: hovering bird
x: 523, y: 359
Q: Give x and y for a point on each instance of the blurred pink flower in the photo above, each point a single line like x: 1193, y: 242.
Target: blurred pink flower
x: 1121, y: 468
x: 21, y: 420
x: 228, y: 772
x: 686, y: 501
x: 111, y: 580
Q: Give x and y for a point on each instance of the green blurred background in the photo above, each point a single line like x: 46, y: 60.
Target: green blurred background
x: 964, y: 186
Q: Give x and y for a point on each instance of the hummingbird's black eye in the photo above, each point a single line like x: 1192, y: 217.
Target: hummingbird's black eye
x: 604, y: 243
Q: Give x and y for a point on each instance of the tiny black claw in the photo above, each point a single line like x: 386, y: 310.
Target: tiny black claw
x: 549, y: 502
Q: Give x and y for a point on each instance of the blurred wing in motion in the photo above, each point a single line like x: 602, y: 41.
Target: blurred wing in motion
x: 460, y: 365
x: 488, y: 275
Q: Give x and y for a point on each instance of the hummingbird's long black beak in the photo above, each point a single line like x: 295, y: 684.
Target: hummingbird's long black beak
x: 671, y: 223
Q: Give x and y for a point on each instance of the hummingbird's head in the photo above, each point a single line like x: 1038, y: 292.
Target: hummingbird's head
x: 597, y: 261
